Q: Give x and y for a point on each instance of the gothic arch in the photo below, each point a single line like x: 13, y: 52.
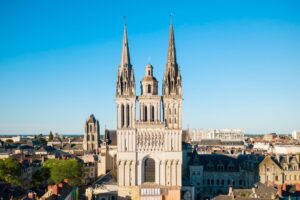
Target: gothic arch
x: 149, y: 170
x: 152, y: 168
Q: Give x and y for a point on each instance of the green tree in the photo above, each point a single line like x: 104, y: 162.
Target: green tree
x: 70, y: 169
x: 50, y: 136
x: 10, y: 171
x: 40, y: 177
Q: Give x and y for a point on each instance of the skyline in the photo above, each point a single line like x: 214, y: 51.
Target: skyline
x: 243, y: 57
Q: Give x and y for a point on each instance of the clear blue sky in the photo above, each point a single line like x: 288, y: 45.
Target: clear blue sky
x: 240, y: 61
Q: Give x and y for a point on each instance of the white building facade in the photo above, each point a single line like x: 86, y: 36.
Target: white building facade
x: 149, y: 151
x: 219, y: 134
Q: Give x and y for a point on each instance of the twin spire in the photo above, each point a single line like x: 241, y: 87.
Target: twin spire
x: 172, y: 78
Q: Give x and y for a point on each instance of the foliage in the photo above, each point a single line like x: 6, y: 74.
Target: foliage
x: 40, y: 177
x: 51, y: 136
x: 70, y: 169
x: 40, y: 138
x: 10, y: 171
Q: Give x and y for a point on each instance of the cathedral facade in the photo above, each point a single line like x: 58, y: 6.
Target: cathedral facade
x: 149, y: 150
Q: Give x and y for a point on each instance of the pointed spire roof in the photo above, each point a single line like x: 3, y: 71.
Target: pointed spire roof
x: 125, y: 60
x: 171, y: 48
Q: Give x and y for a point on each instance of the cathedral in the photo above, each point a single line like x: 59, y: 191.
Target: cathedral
x: 149, y: 145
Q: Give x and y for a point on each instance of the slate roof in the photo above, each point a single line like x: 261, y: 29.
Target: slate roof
x: 111, y: 136
x: 206, y: 160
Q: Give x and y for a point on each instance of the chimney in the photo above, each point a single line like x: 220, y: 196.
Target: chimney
x: 53, y: 188
x: 60, y: 185
x: 284, y: 187
x: 279, y: 190
x: 230, y: 193
x: 298, y: 187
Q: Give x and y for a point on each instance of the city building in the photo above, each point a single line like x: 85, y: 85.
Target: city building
x: 280, y: 169
x: 218, y: 134
x: 213, y: 174
x: 296, y: 135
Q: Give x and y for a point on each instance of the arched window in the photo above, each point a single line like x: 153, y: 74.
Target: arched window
x: 93, y: 137
x: 91, y: 127
x: 145, y: 114
x: 127, y: 115
x: 122, y: 115
x: 149, y: 170
x: 149, y: 89
x: 152, y: 113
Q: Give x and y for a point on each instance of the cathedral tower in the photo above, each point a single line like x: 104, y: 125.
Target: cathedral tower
x: 91, y: 140
x: 125, y: 92
x: 172, y: 89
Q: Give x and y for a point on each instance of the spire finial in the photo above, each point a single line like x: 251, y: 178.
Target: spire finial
x: 171, y: 15
x: 124, y: 20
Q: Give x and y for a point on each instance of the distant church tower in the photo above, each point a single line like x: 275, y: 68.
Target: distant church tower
x: 91, y: 140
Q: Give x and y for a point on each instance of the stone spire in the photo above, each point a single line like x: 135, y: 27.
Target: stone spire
x: 125, y: 60
x: 125, y: 79
x: 172, y: 77
x: 171, y: 48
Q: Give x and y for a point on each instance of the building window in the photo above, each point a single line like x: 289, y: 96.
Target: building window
x: 149, y: 170
x: 122, y: 115
x: 127, y: 117
x: 152, y: 113
x: 145, y: 114
x: 91, y: 128
x: 276, y: 178
x: 149, y: 89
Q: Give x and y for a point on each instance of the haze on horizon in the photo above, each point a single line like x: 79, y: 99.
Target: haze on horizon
x: 239, y: 61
